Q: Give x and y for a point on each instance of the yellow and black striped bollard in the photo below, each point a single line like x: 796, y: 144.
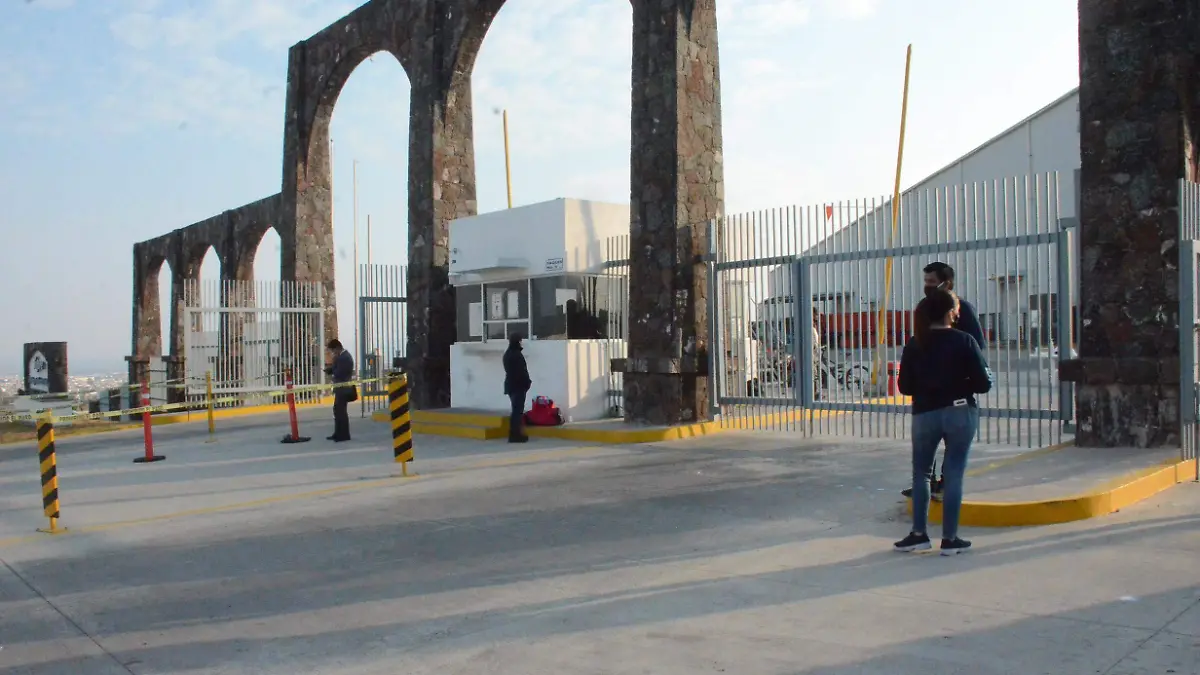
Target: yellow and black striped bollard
x: 49, y: 470
x: 402, y: 440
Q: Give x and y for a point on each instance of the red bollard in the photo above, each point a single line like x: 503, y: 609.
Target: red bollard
x: 147, y: 434
x: 893, y: 373
x: 295, y: 436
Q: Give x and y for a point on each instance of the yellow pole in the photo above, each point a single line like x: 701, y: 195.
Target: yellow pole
x: 49, y: 471
x: 880, y: 323
x: 208, y: 397
x: 507, y: 163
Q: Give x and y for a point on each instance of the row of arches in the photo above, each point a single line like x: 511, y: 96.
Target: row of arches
x: 369, y: 127
x: 266, y: 267
x: 437, y: 43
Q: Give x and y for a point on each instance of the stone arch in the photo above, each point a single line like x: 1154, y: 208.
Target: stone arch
x: 248, y: 262
x: 677, y: 184
x: 318, y: 70
x: 148, y: 309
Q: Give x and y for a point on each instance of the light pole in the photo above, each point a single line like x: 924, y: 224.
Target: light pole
x: 507, y: 159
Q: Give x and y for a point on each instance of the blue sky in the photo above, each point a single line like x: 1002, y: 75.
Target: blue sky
x: 125, y: 119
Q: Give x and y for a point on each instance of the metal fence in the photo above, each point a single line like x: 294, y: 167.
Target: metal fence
x: 249, y: 334
x: 616, y: 273
x: 1189, y: 319
x: 382, y: 330
x: 810, y: 308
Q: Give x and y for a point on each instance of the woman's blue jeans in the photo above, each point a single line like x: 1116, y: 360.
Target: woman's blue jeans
x: 956, y: 425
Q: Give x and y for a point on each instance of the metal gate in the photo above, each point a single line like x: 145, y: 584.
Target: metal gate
x: 814, y: 305
x: 382, y: 329
x: 248, y: 334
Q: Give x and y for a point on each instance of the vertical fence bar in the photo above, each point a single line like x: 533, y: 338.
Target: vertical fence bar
x: 713, y: 307
x: 804, y: 319
x: 1064, y: 262
x: 1187, y: 342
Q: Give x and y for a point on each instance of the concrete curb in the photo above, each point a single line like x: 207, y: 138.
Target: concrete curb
x: 1107, y: 498
x: 483, y: 426
x: 201, y: 415
x: 185, y: 417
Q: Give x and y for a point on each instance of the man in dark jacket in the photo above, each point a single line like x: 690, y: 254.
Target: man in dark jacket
x: 516, y: 386
x: 941, y: 275
x: 340, y: 369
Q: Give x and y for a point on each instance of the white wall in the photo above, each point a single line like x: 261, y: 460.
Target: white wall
x: 521, y: 238
x: 563, y: 235
x: 574, y: 373
x: 590, y: 227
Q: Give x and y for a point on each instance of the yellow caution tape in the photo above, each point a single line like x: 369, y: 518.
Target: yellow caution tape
x: 31, y: 417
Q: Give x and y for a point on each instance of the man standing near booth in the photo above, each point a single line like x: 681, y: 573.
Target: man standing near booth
x: 516, y: 387
x: 340, y: 369
x: 940, y: 275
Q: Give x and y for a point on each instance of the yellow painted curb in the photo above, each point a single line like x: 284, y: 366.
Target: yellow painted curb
x: 448, y: 421
x: 201, y: 415
x: 63, y: 433
x: 481, y: 419
x: 1107, y: 498
x: 459, y: 431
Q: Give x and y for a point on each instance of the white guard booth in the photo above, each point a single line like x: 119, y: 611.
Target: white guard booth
x: 539, y: 271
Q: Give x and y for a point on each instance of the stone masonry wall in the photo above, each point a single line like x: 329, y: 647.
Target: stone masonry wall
x: 677, y: 187
x: 1137, y: 103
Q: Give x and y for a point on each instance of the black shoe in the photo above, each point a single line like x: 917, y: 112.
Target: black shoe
x: 955, y: 546
x: 907, y: 492
x: 518, y: 439
x: 913, y: 542
x: 331, y: 438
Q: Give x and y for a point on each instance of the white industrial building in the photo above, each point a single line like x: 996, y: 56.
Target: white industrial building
x: 1003, y: 189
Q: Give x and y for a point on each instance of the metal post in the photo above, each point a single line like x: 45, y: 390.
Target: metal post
x: 1187, y: 345
x: 147, y: 434
x: 49, y: 472
x: 714, y: 336
x: 208, y: 398
x: 507, y: 164
x: 401, y: 419
x: 1062, y: 318
x: 804, y: 320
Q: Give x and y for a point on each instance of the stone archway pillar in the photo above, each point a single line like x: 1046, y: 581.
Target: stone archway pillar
x: 677, y: 187
x: 1138, y: 116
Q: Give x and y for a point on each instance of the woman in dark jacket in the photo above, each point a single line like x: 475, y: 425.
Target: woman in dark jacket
x: 942, y: 369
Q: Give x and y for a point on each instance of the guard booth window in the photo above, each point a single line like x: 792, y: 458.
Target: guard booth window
x: 567, y: 307
x: 506, y: 309
x: 576, y: 307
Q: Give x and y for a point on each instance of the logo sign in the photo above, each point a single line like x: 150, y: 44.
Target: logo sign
x: 554, y: 264
x: 39, y: 374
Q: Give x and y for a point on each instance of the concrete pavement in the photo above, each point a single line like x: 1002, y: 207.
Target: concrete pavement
x: 740, y: 553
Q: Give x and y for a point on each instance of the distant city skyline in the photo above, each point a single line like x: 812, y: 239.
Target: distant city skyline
x: 130, y: 118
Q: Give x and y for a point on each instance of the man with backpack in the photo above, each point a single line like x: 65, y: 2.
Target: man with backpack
x: 940, y: 275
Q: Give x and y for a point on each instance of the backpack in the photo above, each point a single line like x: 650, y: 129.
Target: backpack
x: 544, y: 413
